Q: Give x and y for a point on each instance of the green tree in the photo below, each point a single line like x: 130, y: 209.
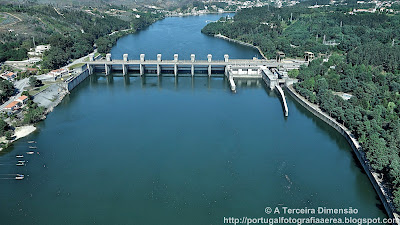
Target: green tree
x: 34, y: 82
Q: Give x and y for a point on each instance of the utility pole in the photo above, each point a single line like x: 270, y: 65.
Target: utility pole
x: 34, y: 44
x: 393, y: 42
x: 341, y: 23
x: 291, y: 17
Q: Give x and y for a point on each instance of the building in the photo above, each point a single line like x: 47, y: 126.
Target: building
x: 13, y: 106
x: 23, y: 99
x: 31, y: 70
x: 59, y: 73
x: 39, y: 50
x: 279, y: 56
x: 9, y: 76
x: 308, y: 56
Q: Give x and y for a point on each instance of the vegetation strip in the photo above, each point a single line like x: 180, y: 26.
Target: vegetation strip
x: 384, y: 195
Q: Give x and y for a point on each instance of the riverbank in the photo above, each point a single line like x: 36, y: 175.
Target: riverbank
x: 19, y: 133
x: 23, y: 131
x: 241, y: 43
x: 378, y: 183
x: 195, y: 14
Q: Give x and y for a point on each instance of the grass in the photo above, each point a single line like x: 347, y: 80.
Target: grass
x: 34, y: 91
x: 76, y: 66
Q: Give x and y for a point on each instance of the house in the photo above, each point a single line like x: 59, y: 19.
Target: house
x: 39, y: 50
x: 308, y: 56
x: 13, y: 106
x: 42, y: 48
x: 279, y: 56
x: 9, y: 76
x: 59, y: 73
x: 23, y: 99
x: 31, y: 70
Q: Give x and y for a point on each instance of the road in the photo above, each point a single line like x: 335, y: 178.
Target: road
x: 19, y: 86
x: 80, y: 60
x: 48, y: 77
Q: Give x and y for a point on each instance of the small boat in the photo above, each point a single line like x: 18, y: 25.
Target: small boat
x: 19, y: 156
x: 32, y: 147
x: 31, y: 142
x: 20, y: 164
x: 19, y: 177
x: 21, y: 161
x: 30, y: 153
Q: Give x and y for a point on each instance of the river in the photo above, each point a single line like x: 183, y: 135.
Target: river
x: 178, y: 151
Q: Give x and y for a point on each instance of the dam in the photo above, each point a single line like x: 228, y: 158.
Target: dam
x: 230, y: 68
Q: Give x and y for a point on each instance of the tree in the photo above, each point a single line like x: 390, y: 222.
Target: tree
x: 34, y: 82
x: 6, y: 89
x: 3, y: 127
x: 9, y: 134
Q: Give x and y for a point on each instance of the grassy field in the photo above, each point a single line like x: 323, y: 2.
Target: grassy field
x: 38, y: 89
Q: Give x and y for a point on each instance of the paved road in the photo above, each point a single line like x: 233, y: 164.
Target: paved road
x: 19, y: 86
x: 80, y: 60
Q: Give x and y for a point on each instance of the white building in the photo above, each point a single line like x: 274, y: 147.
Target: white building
x: 39, y: 50
x: 59, y: 73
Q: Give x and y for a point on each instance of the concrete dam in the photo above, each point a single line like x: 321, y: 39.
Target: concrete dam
x: 271, y: 72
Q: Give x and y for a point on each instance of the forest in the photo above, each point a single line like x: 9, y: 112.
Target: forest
x: 71, y: 32
x: 295, y: 30
x: 364, y: 61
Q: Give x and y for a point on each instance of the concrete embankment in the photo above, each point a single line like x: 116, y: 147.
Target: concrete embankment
x: 383, y: 193
x: 75, y: 81
x: 241, y: 43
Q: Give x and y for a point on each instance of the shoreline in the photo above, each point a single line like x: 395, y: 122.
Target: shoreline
x: 197, y: 14
x: 28, y: 129
x: 220, y: 36
x: 20, y: 132
x: 23, y: 131
x: 379, y: 185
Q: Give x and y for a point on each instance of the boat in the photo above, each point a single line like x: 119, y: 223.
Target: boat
x: 20, y: 164
x: 19, y: 177
x: 31, y: 142
x: 19, y: 156
x: 32, y: 147
x: 30, y: 153
x: 21, y: 161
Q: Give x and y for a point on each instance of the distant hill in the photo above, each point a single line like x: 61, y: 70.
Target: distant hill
x: 97, y: 2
